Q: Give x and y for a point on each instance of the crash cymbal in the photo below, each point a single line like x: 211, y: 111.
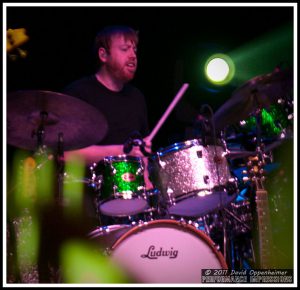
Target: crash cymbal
x: 259, y: 92
x: 81, y: 124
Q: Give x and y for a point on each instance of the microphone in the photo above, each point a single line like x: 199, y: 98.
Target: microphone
x: 135, y: 139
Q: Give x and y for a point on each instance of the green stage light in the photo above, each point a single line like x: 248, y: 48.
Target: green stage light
x: 261, y: 55
x: 219, y: 69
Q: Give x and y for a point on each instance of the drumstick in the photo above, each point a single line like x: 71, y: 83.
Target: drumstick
x: 168, y: 111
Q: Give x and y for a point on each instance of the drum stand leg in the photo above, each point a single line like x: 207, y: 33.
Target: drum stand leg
x: 234, y: 250
x: 237, y: 219
x: 224, y: 235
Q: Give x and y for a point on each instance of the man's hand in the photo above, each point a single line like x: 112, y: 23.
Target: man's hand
x: 148, y: 144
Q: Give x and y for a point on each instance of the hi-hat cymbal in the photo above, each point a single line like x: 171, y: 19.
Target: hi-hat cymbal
x: 81, y: 124
x: 259, y: 92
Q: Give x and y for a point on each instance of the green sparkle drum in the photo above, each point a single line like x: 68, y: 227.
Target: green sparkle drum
x: 120, y: 183
x: 276, y: 122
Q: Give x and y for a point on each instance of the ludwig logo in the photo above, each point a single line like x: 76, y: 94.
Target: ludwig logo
x: 155, y: 254
x: 128, y: 177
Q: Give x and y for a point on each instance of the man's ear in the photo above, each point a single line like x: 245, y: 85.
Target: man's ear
x: 102, y: 54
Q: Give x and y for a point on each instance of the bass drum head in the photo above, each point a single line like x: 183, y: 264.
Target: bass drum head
x: 166, y: 251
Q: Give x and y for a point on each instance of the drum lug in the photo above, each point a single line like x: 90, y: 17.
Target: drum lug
x: 113, y: 170
x: 172, y: 199
x: 143, y: 189
x: 162, y: 164
x: 115, y: 189
x: 96, y: 181
x: 183, y: 223
x: 206, y: 179
x: 140, y: 171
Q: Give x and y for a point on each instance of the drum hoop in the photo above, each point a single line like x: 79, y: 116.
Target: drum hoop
x: 181, y: 146
x: 196, y: 232
x: 140, y: 194
x: 98, y: 230
x: 121, y: 158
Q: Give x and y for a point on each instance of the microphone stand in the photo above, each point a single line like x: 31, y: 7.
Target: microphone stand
x: 200, y: 125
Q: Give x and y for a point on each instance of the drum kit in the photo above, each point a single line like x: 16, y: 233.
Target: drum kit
x: 197, y: 211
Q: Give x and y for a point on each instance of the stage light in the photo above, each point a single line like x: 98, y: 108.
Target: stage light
x: 219, y: 69
x: 261, y: 55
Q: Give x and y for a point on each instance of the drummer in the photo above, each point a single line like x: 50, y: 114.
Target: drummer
x: 110, y: 91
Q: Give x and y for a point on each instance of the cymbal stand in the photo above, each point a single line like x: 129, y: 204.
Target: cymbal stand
x: 223, y: 218
x: 261, y: 199
x: 237, y: 219
x: 61, y: 167
x: 42, y: 152
x: 41, y: 132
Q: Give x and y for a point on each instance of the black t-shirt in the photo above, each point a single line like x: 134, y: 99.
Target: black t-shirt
x: 125, y: 111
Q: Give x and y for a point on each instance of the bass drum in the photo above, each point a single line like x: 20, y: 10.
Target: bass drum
x: 166, y: 251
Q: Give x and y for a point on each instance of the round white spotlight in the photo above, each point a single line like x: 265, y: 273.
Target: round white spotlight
x: 219, y: 69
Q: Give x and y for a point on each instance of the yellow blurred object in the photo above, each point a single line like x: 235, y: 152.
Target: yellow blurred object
x: 30, y: 163
x: 29, y: 192
x: 23, y: 53
x: 15, y: 38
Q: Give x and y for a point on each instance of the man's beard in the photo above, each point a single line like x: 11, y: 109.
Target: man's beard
x: 121, y: 72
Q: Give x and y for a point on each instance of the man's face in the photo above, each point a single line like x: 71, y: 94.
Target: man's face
x: 122, y: 59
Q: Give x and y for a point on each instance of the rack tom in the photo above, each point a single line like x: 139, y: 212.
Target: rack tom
x: 119, y: 181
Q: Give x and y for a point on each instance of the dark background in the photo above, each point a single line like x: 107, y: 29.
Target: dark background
x: 174, y: 44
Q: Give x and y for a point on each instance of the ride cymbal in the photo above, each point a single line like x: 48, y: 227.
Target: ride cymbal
x: 260, y: 92
x: 29, y: 111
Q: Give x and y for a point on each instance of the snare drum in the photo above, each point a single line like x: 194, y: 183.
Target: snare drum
x: 166, y: 251
x: 120, y: 183
x: 192, y: 178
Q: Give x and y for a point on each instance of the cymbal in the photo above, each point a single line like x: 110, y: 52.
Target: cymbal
x: 268, y: 168
x: 259, y: 92
x: 237, y: 154
x: 80, y: 123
